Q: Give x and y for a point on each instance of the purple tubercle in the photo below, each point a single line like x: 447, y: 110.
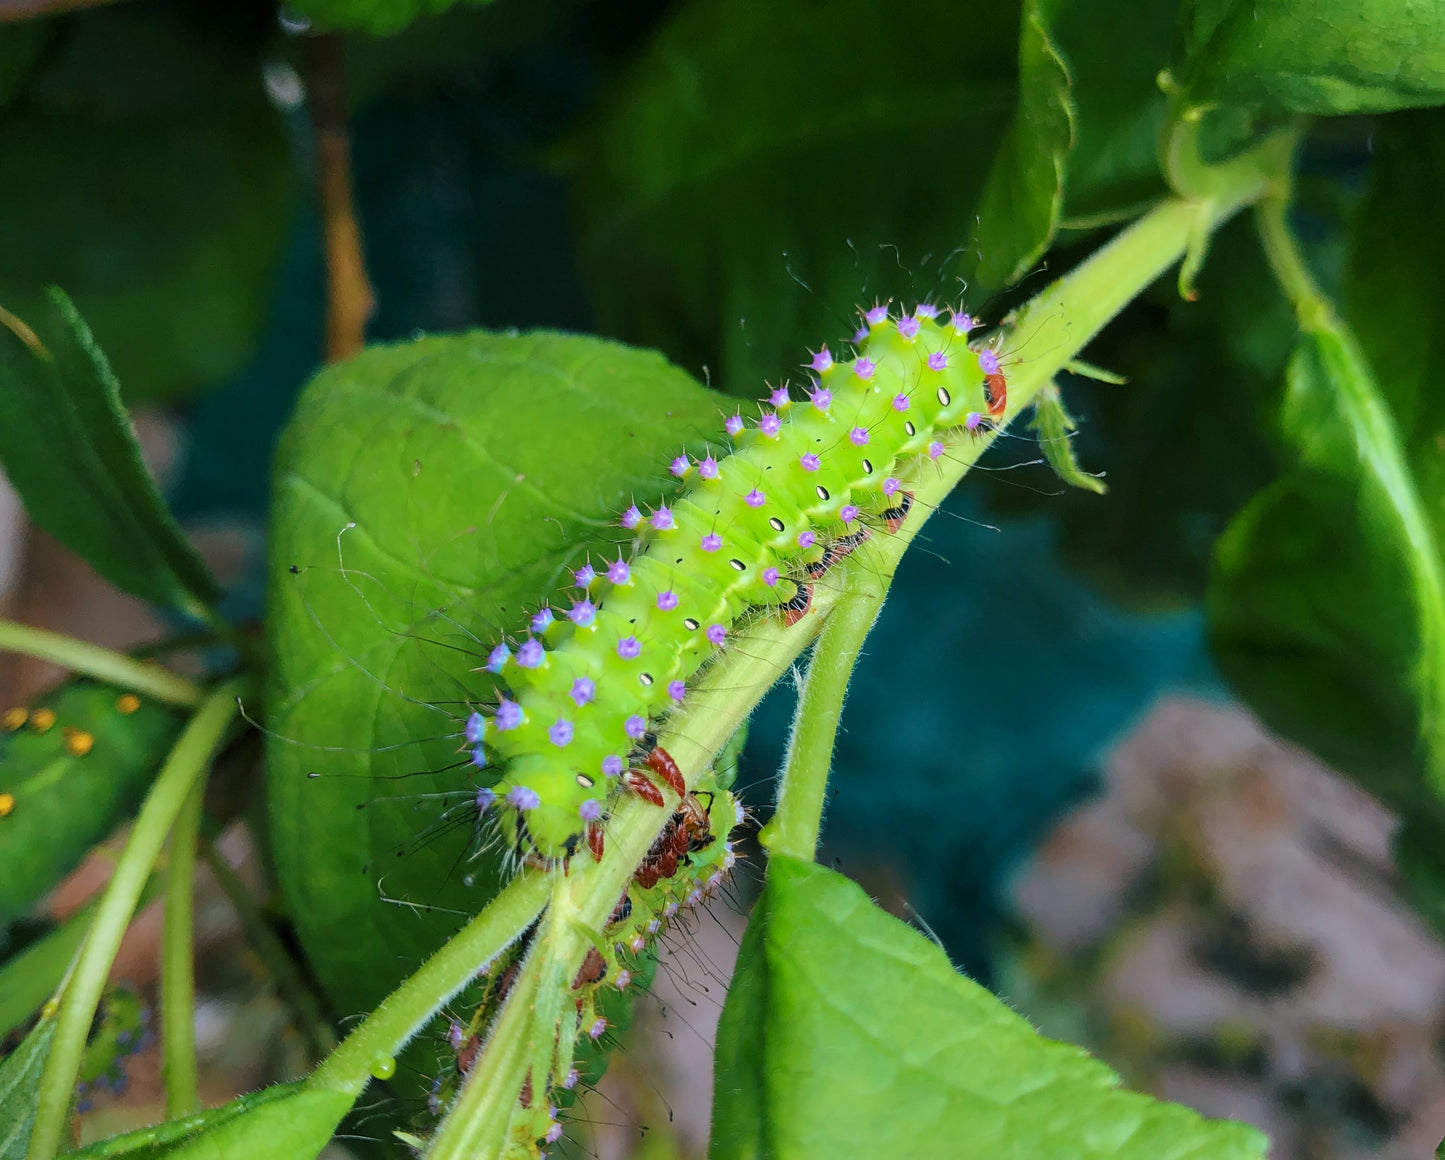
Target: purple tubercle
x: 677, y: 690
x: 770, y: 576
x: 583, y: 613
x: 822, y: 398
x: 612, y: 766
x: 879, y: 314
x: 938, y: 361
x: 860, y: 335
x: 848, y: 512
x: 560, y: 732
x: 755, y: 498
x: 864, y: 368
x: 631, y: 518
x: 583, y: 690
x: 891, y: 486
x: 858, y: 437
x: 554, y: 1133
x: 497, y: 658
x: 476, y: 728
x: 711, y: 542
x: 809, y: 461
x: 908, y: 327
x: 680, y: 466
x: 822, y: 360
x: 666, y: 600
x: 708, y: 468
x: 716, y: 634
x: 623, y: 980
x: 935, y: 450
x: 508, y: 715
x: 629, y: 648
x: 618, y: 571
x: 590, y: 810
x: 542, y: 620
x: 770, y: 425
x: 901, y: 402
x: 972, y: 422
x: 734, y: 425
x: 531, y: 654
x: 988, y: 361
x: 963, y: 322
x: 806, y: 539
x: 780, y: 396
x: 479, y: 756
x: 661, y: 520
x: 584, y: 576
x: 598, y: 1028
x: 635, y: 727
x: 455, y: 1035
x: 572, y: 1077
x: 484, y: 800
x: 523, y: 797
x: 926, y: 310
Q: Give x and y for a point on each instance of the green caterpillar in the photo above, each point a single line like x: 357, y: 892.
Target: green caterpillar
x: 802, y: 486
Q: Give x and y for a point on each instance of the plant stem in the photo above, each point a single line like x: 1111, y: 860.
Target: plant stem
x: 273, y: 955
x: 79, y: 997
x: 101, y: 663
x: 405, y: 1011
x: 1312, y: 309
x: 794, y: 828
x: 178, y: 977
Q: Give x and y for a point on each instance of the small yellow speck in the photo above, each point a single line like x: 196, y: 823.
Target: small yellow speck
x: 7, y: 804
x: 78, y: 741
x: 127, y: 703
x: 14, y: 719
x: 42, y: 719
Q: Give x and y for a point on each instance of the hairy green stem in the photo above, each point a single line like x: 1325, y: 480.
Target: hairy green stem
x: 405, y: 1011
x: 273, y: 955
x: 101, y: 663
x: 795, y: 826
x: 183, y: 768
x: 178, y: 973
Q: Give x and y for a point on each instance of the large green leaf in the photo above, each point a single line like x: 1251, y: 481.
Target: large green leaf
x: 375, y: 17
x: 73, y: 783
x: 1019, y: 209
x: 146, y: 172
x: 832, y: 140
x: 68, y: 448
x: 847, y: 1033
x: 1327, y: 604
x: 1316, y: 56
x: 19, y: 1089
x: 454, y: 480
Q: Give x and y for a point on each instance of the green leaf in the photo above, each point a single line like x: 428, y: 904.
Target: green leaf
x: 846, y: 1033
x: 834, y: 142
x: 1018, y: 212
x: 475, y: 469
x: 1114, y: 50
x: 374, y: 17
x: 67, y: 796
x: 30, y: 977
x: 170, y: 1138
x: 167, y: 115
x: 1327, y: 603
x: 69, y: 449
x: 1056, y: 427
x: 19, y: 1085
x: 1325, y: 57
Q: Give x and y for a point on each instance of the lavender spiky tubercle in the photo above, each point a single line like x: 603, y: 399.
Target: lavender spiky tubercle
x: 800, y: 488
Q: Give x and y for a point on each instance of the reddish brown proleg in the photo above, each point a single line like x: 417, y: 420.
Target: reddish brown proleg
x: 596, y: 840
x: 893, y: 518
x: 996, y: 386
x: 662, y: 764
x: 637, y: 781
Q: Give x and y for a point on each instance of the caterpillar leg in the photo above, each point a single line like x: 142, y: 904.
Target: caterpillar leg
x: 596, y: 840
x: 893, y: 517
x: 662, y: 764
x: 638, y: 782
x: 795, y: 609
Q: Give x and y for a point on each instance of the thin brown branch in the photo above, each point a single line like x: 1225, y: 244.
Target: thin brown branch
x: 348, y: 293
x: 13, y: 11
